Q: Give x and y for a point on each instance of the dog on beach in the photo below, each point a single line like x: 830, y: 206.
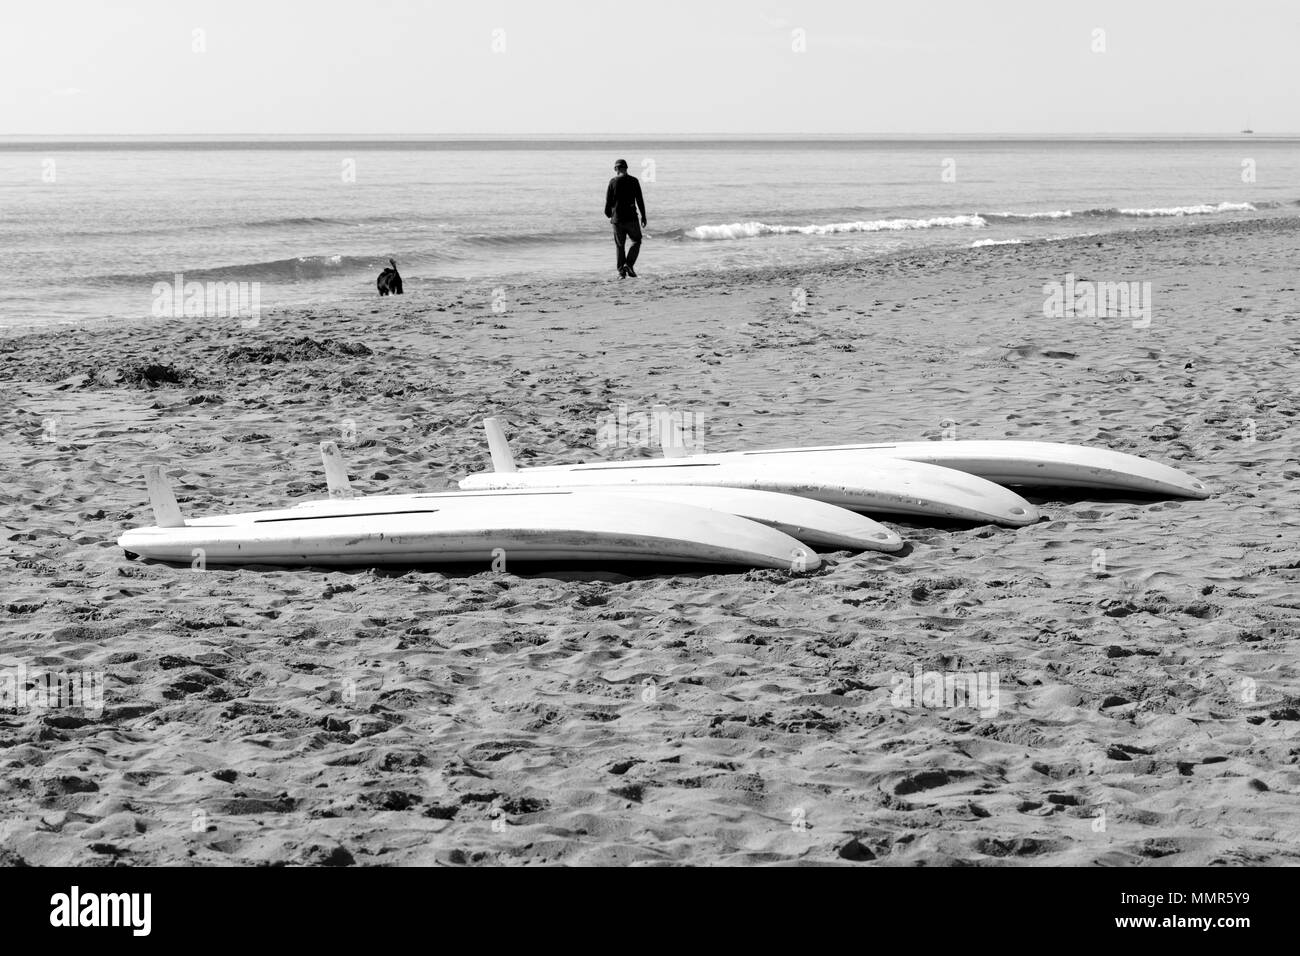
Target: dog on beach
x: 389, y: 282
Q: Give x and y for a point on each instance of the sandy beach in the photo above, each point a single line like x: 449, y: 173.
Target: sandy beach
x: 1146, y: 649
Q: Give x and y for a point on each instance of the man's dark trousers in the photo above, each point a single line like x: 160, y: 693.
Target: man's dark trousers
x: 624, y: 230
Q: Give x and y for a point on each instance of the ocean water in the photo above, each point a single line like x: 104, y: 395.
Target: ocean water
x: 89, y: 228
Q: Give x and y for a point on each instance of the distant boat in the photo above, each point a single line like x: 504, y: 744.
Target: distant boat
x: 1248, y: 131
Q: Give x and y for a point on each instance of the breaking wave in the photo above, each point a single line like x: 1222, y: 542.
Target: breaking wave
x: 751, y: 230
x: 1200, y: 209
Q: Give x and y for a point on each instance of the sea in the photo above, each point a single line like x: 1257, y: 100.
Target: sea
x: 92, y: 229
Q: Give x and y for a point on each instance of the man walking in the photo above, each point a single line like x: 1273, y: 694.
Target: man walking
x: 622, y: 200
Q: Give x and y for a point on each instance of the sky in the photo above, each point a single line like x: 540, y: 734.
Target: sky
x: 680, y: 67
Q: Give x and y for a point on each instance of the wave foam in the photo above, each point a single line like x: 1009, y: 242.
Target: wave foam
x: 751, y: 230
x: 1200, y: 209
x: 298, y: 269
x: 1053, y: 214
x: 1203, y: 209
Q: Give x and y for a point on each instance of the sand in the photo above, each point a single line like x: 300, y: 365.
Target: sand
x: 1146, y: 650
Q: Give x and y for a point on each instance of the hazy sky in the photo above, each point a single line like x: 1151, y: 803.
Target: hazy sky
x: 657, y: 66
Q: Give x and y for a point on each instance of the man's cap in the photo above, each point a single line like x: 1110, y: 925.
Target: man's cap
x: 620, y: 164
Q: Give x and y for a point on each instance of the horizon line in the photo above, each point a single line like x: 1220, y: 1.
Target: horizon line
x: 477, y: 137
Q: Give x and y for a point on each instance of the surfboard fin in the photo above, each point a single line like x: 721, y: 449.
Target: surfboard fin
x: 336, y: 472
x: 498, y: 447
x: 163, y: 501
x: 668, y: 432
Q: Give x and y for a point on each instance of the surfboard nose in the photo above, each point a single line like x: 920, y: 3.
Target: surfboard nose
x: 888, y: 541
x: 1184, y: 484
x: 957, y: 494
x: 1022, y: 514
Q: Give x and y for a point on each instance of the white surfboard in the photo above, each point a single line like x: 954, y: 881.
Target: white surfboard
x: 868, y: 483
x: 813, y: 522
x: 1010, y: 462
x: 475, y: 529
x: 1005, y: 461
x: 809, y: 521
x: 805, y: 519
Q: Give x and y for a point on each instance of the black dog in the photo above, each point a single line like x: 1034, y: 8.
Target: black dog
x: 389, y: 282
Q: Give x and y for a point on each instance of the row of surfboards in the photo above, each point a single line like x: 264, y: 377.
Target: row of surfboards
x: 766, y: 509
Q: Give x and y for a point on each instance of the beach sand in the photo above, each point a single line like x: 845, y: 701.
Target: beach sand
x: 1146, y: 650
